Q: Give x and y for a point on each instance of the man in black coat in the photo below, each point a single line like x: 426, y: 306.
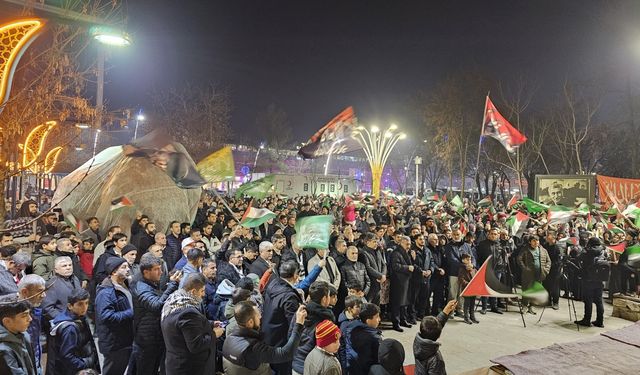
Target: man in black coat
x: 595, y: 269
x: 552, y: 282
x: 438, y: 280
x: 376, y: 265
x: 281, y: 301
x: 231, y: 269
x: 354, y: 273
x: 491, y: 247
x: 421, y: 279
x: 317, y: 311
x: 263, y: 261
x: 59, y: 288
x: 401, y: 271
x: 148, y: 346
x: 190, y: 338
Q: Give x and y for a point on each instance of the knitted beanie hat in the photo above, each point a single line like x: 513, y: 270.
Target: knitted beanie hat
x: 326, y: 333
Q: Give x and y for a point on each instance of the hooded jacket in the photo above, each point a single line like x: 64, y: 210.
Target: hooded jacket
x: 316, y: 313
x: 427, y: 353
x: 16, y: 355
x: 361, y: 344
x: 281, y: 302
x: 114, y: 317
x: 221, y: 297
x: 390, y: 358
x: 71, y: 347
x: 43, y: 264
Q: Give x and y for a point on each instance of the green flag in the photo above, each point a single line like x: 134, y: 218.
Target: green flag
x: 485, y: 202
x: 533, y: 206
x: 559, y: 215
x: 634, y: 255
x: 257, y: 189
x: 456, y: 201
x: 536, y: 294
x: 314, y: 231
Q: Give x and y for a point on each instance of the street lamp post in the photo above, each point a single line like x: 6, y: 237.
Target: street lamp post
x: 255, y: 161
x: 417, y: 161
x: 377, y: 146
x: 139, y: 119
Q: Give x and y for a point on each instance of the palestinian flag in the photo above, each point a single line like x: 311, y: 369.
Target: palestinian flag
x: 518, y: 224
x: 584, y: 209
x: 513, y: 200
x: 254, y: 217
x: 485, y: 202
x: 433, y: 197
x: 456, y: 201
x: 73, y: 222
x: 574, y: 241
x: 533, y: 206
x: 486, y: 284
x: 634, y: 255
x: 120, y: 202
x: 615, y: 229
x: 559, y: 215
x: 619, y: 248
x: 536, y: 294
x: 496, y: 126
x: 257, y: 189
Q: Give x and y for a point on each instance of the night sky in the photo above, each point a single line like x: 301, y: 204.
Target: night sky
x: 314, y: 58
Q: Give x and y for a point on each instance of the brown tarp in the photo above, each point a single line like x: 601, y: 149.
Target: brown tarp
x: 113, y: 175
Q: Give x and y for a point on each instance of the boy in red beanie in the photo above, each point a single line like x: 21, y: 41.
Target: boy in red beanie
x: 322, y: 359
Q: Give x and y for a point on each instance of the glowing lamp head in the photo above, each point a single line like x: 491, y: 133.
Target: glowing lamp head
x: 140, y: 117
x: 388, y: 134
x: 110, y: 36
x: 402, y: 136
x: 375, y: 129
x: 393, y: 127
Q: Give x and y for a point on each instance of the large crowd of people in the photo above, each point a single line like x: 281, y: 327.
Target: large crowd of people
x: 214, y: 296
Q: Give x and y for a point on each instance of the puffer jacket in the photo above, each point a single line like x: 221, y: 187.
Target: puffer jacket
x: 281, y: 301
x: 427, y: 354
x: 114, y: 317
x: 245, y: 353
x: 316, y: 313
x: 71, y: 347
x: 453, y: 252
x: 16, y: 355
x: 355, y: 273
x: 148, y: 300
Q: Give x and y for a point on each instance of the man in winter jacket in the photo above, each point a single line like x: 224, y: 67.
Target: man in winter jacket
x: 246, y: 353
x: 32, y: 288
x: 231, y: 269
x: 190, y: 338
x: 148, y: 299
x: 376, y: 265
x: 330, y: 272
x: 402, y: 269
x: 16, y: 355
x: 114, y: 250
x: 281, y: 301
x: 354, y: 273
x: 426, y: 349
x: 263, y: 261
x: 535, y: 264
x: 439, y: 276
x: 595, y: 269
x: 65, y: 248
x: 453, y: 252
x: 59, y: 289
x: 317, y: 311
x: 486, y: 248
x: 71, y: 347
x: 114, y: 317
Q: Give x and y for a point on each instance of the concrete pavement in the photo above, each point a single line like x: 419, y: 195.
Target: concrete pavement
x: 467, y: 347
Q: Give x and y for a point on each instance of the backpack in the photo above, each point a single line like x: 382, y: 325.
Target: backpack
x: 601, y: 269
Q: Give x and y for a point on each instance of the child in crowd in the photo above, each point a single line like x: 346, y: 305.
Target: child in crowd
x: 322, y: 359
x: 465, y: 274
x: 16, y: 355
x: 426, y: 349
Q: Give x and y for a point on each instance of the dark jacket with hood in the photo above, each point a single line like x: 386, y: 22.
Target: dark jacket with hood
x: 100, y: 269
x: 453, y: 252
x: 114, y: 317
x: 281, y: 301
x: 427, y: 353
x: 16, y: 355
x: 43, y: 264
x: 58, y: 290
x: 390, y: 359
x: 590, y: 261
x: 316, y: 313
x: 361, y: 343
x: 71, y: 347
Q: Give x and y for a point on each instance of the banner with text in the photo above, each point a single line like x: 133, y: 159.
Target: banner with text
x: 618, y: 191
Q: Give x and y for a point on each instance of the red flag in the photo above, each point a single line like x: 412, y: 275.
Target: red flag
x: 496, y: 126
x: 513, y: 200
x: 334, y: 138
x: 486, y: 284
x: 619, y: 248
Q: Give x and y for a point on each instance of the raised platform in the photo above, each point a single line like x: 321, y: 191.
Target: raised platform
x: 626, y: 307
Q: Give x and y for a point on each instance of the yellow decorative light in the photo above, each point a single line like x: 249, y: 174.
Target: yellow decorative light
x: 377, y: 146
x: 34, y: 144
x: 14, y: 40
x: 51, y: 159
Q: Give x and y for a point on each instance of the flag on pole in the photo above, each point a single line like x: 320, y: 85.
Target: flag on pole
x: 120, y: 202
x: 518, y: 223
x: 486, y: 284
x: 218, y: 166
x: 257, y: 189
x: 333, y: 138
x: 314, y: 231
x: 496, y: 126
x: 634, y: 255
x: 254, y: 217
x: 456, y: 201
x: 619, y: 248
x: 485, y: 202
x: 533, y: 206
x: 73, y: 222
x: 513, y: 200
x: 559, y: 215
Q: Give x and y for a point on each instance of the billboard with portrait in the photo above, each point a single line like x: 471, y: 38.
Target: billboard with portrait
x: 565, y: 190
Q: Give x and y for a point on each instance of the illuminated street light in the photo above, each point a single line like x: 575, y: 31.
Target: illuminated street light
x: 139, y: 118
x: 377, y: 147
x: 110, y: 36
x: 82, y: 126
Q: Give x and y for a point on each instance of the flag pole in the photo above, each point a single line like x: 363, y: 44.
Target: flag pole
x: 233, y: 214
x: 484, y: 114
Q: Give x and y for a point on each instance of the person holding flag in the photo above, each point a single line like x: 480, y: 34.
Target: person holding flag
x: 535, y: 264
